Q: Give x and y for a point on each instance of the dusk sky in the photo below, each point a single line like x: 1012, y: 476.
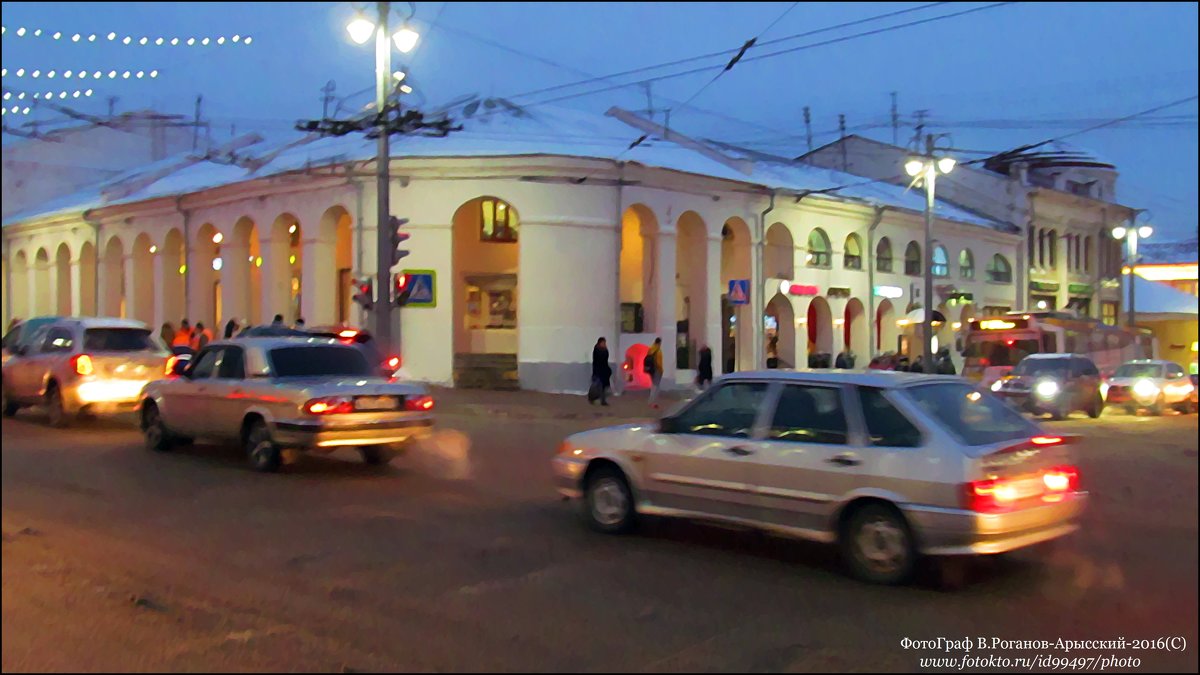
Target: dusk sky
x: 1037, y: 70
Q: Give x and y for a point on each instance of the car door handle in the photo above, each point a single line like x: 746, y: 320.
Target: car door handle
x: 739, y: 451
x: 844, y: 460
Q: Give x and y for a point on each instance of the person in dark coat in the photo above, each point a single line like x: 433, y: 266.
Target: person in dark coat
x: 601, y: 371
x: 945, y: 364
x: 704, y: 371
x: 841, y: 363
x: 231, y: 328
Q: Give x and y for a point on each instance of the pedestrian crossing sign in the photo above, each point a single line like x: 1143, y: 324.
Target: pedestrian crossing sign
x: 424, y: 288
x: 739, y: 291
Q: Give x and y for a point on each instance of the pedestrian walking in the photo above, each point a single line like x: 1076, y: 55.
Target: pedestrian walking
x: 182, y: 342
x: 945, y: 364
x: 653, y: 366
x: 841, y: 362
x: 201, y: 337
x: 704, y: 371
x: 601, y: 373
x: 231, y: 328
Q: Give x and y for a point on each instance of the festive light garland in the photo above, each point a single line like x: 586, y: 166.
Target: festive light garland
x: 129, y: 39
x: 82, y: 74
x: 48, y: 96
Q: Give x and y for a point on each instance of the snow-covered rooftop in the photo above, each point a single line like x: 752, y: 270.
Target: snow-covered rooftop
x: 1153, y: 297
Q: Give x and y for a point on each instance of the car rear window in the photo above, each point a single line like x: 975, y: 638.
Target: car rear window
x: 318, y: 361
x: 118, y: 340
x: 974, y: 417
x: 1042, y: 366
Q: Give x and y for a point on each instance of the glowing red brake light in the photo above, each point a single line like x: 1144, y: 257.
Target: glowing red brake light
x: 348, y: 333
x: 1061, y: 479
x: 418, y: 403
x: 393, y: 363
x: 82, y: 364
x: 330, y: 405
x: 1046, y: 440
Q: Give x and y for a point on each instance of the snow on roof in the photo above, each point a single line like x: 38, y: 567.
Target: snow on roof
x: 497, y: 132
x: 1153, y: 297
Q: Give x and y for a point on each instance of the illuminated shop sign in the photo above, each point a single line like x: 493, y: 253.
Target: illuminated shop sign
x: 798, y: 289
x: 889, y: 291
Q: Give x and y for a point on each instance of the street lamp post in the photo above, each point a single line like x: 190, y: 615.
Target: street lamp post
x: 1131, y: 235
x: 360, y: 30
x: 926, y: 169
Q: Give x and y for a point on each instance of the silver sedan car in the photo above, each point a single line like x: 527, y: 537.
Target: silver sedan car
x: 888, y: 466
x: 280, y: 396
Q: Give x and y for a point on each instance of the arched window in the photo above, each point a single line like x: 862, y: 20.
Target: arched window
x: 912, y: 259
x: 1000, y: 270
x: 941, y: 261
x: 853, y: 255
x: 498, y: 222
x: 818, y: 249
x: 966, y: 264
x: 883, y: 255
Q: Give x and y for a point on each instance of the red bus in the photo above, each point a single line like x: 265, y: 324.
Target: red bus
x: 995, y: 344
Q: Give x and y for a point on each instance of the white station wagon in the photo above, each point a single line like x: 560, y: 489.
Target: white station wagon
x: 887, y: 465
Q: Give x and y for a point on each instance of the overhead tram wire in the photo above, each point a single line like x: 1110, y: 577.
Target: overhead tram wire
x: 781, y: 52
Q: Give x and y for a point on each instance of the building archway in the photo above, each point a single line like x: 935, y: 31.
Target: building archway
x: 820, y: 329
x: 174, y: 267
x: 780, y: 333
x: 142, y: 288
x: 88, y: 295
x: 204, y: 272
x: 62, y: 273
x: 691, y: 294
x: 485, y: 260
x: 44, y: 301
x: 113, y: 299
x: 241, y: 278
x: 639, y: 257
x: 886, y: 331
x: 282, y: 268
x: 779, y: 258
x: 736, y: 351
x: 855, y: 335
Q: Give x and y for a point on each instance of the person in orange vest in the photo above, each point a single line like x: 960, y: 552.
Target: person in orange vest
x: 182, y: 342
x: 201, y: 337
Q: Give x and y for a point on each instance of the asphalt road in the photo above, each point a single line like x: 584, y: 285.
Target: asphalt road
x: 116, y: 559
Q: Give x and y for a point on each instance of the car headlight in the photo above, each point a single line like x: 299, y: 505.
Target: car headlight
x: 996, y: 385
x: 1104, y: 390
x: 1146, y: 389
x: 1047, y: 389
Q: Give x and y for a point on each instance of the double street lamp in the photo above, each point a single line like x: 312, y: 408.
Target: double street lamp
x: 361, y: 29
x: 1131, y: 235
x: 926, y: 168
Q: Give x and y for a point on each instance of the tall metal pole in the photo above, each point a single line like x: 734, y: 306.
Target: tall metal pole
x: 927, y: 323
x: 1132, y: 238
x: 383, y: 244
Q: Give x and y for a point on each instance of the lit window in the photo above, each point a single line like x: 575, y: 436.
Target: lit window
x: 941, y: 262
x: 498, y: 221
x: 818, y: 249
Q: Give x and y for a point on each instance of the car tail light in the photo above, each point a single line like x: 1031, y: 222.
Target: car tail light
x: 393, y: 363
x: 418, y: 403
x: 994, y: 495
x: 170, y: 368
x: 329, y: 405
x: 82, y: 364
x: 1046, y: 440
x: 349, y: 334
x: 1061, y: 479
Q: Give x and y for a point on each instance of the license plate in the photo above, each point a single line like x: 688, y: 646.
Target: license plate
x: 375, y: 403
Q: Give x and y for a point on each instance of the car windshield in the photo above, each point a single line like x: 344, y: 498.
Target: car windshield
x: 1000, y: 352
x: 118, y: 340
x: 1042, y: 367
x: 319, y: 361
x: 1139, y: 370
x: 974, y: 417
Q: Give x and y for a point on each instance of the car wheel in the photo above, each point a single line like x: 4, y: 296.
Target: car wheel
x: 263, y: 453
x: 1183, y: 407
x: 374, y: 455
x: 10, y: 406
x: 877, y: 545
x: 158, y: 439
x: 1061, y: 412
x: 56, y: 414
x: 1097, y: 407
x: 1159, y: 405
x: 608, y: 503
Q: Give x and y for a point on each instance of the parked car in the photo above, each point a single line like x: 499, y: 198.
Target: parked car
x: 26, y: 329
x: 92, y: 366
x: 887, y: 465
x: 1058, y: 384
x: 1151, y: 384
x: 278, y: 394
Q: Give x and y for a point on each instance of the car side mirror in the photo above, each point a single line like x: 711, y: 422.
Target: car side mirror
x: 668, y: 425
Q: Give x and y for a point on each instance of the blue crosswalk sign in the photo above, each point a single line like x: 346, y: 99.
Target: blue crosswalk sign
x: 423, y: 284
x: 739, y: 291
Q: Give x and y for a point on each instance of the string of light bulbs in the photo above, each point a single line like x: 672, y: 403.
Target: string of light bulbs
x: 82, y: 74
x: 129, y: 39
x: 48, y: 96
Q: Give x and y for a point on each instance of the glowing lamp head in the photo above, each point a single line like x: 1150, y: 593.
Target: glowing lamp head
x: 1119, y: 232
x: 406, y: 39
x: 913, y: 167
x: 360, y: 29
x: 946, y: 164
x: 1145, y: 231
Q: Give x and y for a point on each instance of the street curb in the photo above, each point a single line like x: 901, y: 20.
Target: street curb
x: 484, y: 410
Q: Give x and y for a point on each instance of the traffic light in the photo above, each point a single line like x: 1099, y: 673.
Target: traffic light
x: 364, y: 293
x: 398, y: 239
x: 402, y: 289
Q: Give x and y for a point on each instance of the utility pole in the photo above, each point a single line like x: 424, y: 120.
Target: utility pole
x: 895, y: 121
x: 920, y: 127
x: 112, y: 105
x: 842, y: 142
x: 927, y: 301
x: 196, y: 122
x: 327, y: 97
x: 649, y: 100
x: 808, y: 127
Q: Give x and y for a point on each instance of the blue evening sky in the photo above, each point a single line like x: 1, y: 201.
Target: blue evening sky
x: 1038, y: 70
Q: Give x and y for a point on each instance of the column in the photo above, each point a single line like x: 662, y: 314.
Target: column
x: 1063, y: 256
x: 31, y: 289
x: 199, y: 280
x: 52, y: 283
x: 276, y: 278
x: 318, y: 284
x: 665, y: 285
x: 800, y: 324
x: 129, y: 287
x: 712, y: 316
x: 161, y: 311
